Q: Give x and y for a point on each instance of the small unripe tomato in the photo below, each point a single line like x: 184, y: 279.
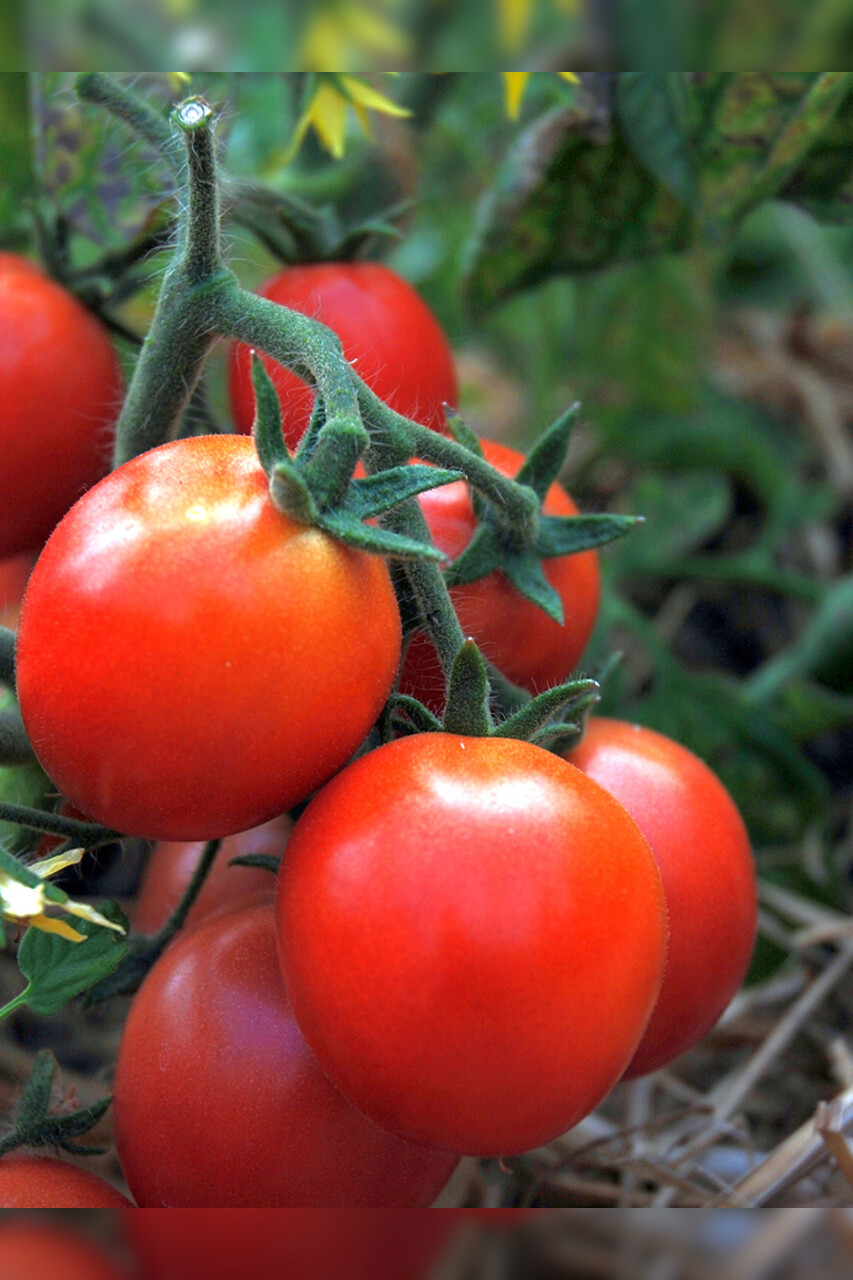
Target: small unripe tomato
x: 60, y: 394
x: 42, y: 1182
x: 702, y: 850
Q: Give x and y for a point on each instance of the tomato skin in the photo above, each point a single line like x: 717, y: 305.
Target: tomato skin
x: 39, y: 1250
x: 386, y: 329
x: 702, y: 850
x: 530, y: 649
x: 60, y: 393
x: 268, y: 1244
x: 171, y: 865
x: 192, y: 662
x: 472, y: 938
x: 41, y: 1182
x: 220, y: 1104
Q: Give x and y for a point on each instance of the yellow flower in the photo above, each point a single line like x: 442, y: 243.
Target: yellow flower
x: 516, y: 82
x: 514, y: 20
x: 336, y: 35
x: 327, y: 111
x: 25, y: 899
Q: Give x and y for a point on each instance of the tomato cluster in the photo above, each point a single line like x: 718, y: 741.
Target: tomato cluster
x: 472, y: 939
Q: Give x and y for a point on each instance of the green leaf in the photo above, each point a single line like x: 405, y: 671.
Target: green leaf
x: 16, y: 163
x: 59, y: 970
x: 655, y: 114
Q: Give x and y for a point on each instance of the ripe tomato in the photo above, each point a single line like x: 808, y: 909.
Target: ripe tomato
x: 41, y: 1182
x: 39, y: 1250
x: 702, y: 850
x: 171, y: 865
x: 523, y: 642
x: 60, y: 393
x: 268, y: 1244
x: 14, y: 574
x: 472, y: 936
x: 219, y: 1103
x: 192, y: 662
x: 387, y: 331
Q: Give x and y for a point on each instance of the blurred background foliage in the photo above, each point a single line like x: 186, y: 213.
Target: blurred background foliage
x: 672, y: 248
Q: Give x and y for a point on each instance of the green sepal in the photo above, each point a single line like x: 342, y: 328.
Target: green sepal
x: 291, y: 494
x: 266, y: 861
x: 531, y: 719
x: 387, y: 489
x: 526, y: 574
x: 467, y: 712
x: 560, y: 738
x: 421, y: 717
x: 57, y: 969
x: 566, y: 535
x: 307, y: 445
x: 34, y: 1126
x: 266, y: 429
x: 546, y: 459
x: 462, y: 433
x: 368, y: 537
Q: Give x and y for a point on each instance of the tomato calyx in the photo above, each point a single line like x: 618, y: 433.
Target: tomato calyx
x: 316, y: 485
x: 548, y: 720
x: 35, y: 1124
x: 518, y: 553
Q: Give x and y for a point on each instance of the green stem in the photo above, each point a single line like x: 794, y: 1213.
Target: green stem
x: 104, y: 91
x: 15, y: 746
x: 202, y: 255
x: 178, y: 918
x: 89, y: 835
x: 8, y: 1009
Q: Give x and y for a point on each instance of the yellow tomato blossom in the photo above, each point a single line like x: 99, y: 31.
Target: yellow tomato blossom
x: 338, y: 33
x: 516, y: 82
x: 25, y: 899
x: 328, y: 108
x: 514, y: 18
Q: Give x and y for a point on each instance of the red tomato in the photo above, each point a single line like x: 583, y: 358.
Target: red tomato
x: 472, y: 936
x: 14, y: 574
x: 39, y: 1250
x: 41, y: 1182
x: 388, y: 334
x: 702, y: 850
x: 299, y: 1244
x: 218, y: 1102
x: 523, y: 642
x: 60, y: 393
x: 170, y: 868
x: 192, y: 662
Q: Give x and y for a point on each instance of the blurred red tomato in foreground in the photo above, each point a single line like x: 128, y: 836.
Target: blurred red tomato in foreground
x: 35, y: 1250
x: 287, y: 1244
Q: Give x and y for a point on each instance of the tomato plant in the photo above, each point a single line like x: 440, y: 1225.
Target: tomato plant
x: 41, y: 1182
x: 531, y: 649
x: 42, y: 1251
x: 191, y: 661
x: 702, y: 850
x: 472, y: 936
x: 321, y: 1244
x: 219, y: 1103
x: 387, y: 331
x: 60, y: 391
x: 171, y: 865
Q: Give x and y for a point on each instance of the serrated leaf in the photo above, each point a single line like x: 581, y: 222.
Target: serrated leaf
x: 387, y: 489
x: 59, y: 970
x: 655, y: 114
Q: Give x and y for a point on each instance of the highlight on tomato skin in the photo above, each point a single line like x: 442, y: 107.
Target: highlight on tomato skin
x: 60, y: 395
x: 244, y: 612
x: 472, y: 934
x: 529, y: 648
x: 702, y: 850
x: 33, y: 1249
x: 219, y: 1103
x: 387, y: 331
x: 171, y: 864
